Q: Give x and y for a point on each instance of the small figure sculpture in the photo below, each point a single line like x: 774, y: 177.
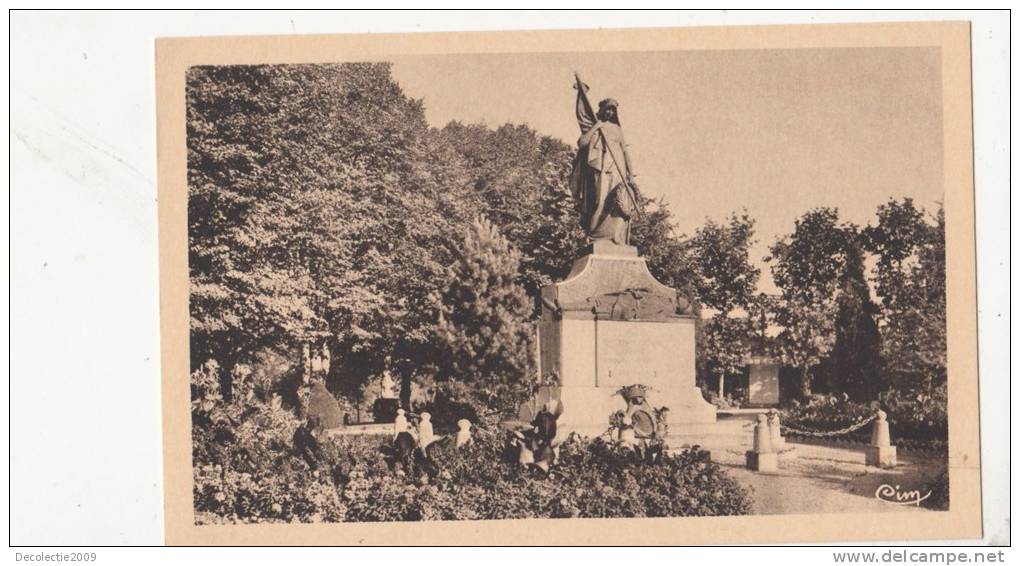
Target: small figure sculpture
x: 627, y: 437
x: 641, y: 426
x: 399, y: 423
x: 538, y: 446
x: 662, y: 422
x: 463, y: 432
x: 425, y: 434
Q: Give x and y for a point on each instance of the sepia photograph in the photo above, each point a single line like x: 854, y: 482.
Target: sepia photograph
x: 610, y: 275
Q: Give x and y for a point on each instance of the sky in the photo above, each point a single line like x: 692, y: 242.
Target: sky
x: 776, y: 132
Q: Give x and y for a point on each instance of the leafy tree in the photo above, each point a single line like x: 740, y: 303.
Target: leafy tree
x: 810, y: 261
x: 856, y: 358
x: 483, y: 333
x: 807, y: 266
x: 243, y: 293
x: 669, y: 255
x: 319, y: 210
x: 520, y: 179
x: 727, y: 278
x: 807, y: 334
x: 725, y: 282
x: 910, y: 276
x: 726, y: 347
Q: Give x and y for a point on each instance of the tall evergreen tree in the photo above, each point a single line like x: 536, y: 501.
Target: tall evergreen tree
x: 856, y: 359
x: 483, y: 333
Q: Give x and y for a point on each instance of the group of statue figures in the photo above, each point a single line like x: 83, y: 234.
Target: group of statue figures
x: 602, y: 179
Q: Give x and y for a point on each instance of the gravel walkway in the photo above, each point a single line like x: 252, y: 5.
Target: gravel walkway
x: 822, y: 479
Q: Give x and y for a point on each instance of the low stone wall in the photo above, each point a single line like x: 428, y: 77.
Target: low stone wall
x: 368, y: 429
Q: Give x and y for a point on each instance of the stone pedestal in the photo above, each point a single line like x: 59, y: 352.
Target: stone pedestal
x: 881, y: 453
x: 610, y: 324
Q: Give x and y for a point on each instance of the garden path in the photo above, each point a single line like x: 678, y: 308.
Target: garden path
x: 827, y: 479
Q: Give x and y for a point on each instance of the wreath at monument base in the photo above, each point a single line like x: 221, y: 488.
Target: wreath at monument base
x: 640, y: 425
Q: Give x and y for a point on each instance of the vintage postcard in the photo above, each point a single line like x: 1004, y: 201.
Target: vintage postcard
x: 634, y: 286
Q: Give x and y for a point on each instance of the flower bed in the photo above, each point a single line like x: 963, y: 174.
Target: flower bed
x: 271, y: 470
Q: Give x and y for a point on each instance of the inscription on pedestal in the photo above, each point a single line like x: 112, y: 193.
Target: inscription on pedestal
x: 650, y: 353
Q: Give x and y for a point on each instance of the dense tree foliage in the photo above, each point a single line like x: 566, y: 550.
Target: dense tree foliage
x: 827, y: 315
x: 670, y: 256
x: 806, y: 334
x: 312, y: 212
x: 910, y: 279
x: 521, y: 181
x: 807, y: 266
x: 727, y: 277
x: 725, y: 281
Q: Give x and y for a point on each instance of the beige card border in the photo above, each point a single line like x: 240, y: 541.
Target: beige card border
x: 963, y: 520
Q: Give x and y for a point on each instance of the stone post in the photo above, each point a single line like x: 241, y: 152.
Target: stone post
x: 399, y: 423
x: 775, y: 431
x: 463, y: 432
x: 762, y: 457
x: 881, y: 453
x: 425, y: 432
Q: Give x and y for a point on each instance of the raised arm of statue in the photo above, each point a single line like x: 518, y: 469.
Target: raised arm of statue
x: 588, y: 134
x: 585, y: 115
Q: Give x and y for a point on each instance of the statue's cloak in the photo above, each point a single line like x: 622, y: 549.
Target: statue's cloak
x: 600, y: 167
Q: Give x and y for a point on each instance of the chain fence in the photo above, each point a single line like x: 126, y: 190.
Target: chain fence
x: 828, y: 434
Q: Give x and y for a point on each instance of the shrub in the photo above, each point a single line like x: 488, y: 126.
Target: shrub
x: 726, y: 402
x: 594, y: 479
x: 446, y: 412
x: 274, y: 469
x: 247, y: 469
x: 323, y: 406
x: 918, y: 415
x: 915, y: 419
